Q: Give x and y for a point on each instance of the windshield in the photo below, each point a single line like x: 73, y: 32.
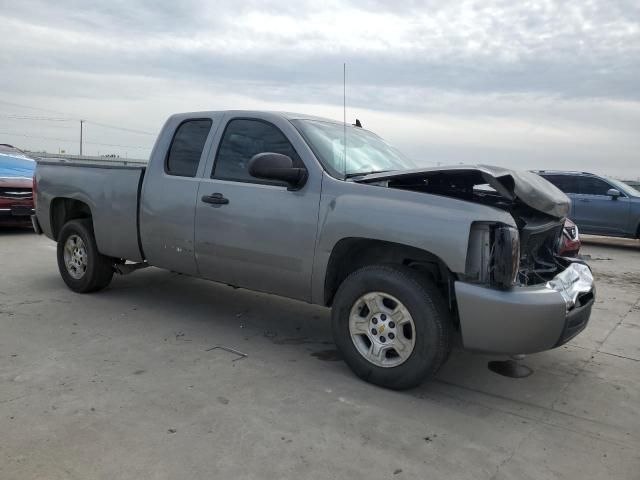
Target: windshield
x: 624, y: 188
x: 365, y: 153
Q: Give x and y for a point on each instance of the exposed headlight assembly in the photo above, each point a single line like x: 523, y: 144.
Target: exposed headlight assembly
x: 504, y: 259
x: 493, y: 256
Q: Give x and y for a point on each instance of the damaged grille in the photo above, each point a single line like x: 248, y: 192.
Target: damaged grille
x: 15, y: 193
x: 538, y: 248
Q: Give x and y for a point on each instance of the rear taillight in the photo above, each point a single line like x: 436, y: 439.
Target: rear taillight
x: 34, y: 190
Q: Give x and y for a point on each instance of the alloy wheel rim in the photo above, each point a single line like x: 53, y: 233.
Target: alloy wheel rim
x: 382, y: 329
x: 75, y: 257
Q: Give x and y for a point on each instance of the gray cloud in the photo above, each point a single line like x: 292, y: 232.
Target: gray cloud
x: 569, y: 48
x: 572, y: 66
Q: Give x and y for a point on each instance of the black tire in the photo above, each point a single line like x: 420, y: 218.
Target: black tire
x: 99, y: 269
x: 431, y: 317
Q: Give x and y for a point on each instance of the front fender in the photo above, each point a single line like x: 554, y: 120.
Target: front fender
x: 435, y: 224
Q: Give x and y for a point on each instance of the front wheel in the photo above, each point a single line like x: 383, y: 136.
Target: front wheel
x: 391, y: 325
x: 81, y: 266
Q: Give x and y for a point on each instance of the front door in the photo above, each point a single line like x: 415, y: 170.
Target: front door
x: 257, y: 234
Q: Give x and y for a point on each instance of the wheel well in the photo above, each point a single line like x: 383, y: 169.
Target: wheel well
x: 65, y: 209
x: 350, y: 254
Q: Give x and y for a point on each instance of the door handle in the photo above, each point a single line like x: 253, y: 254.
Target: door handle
x: 215, y: 199
x: 584, y: 200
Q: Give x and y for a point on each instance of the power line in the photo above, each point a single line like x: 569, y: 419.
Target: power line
x: 73, y: 118
x: 131, y: 130
x: 73, y: 141
x: 53, y: 119
x: 34, y: 108
x: 37, y: 126
x: 29, y: 117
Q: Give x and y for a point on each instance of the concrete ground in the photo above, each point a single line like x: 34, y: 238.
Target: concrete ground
x: 123, y: 385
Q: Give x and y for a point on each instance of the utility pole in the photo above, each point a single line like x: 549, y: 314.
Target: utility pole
x: 81, y: 122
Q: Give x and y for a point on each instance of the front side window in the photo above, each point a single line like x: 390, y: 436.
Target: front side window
x: 624, y: 188
x: 242, y: 140
x: 592, y: 186
x: 186, y: 147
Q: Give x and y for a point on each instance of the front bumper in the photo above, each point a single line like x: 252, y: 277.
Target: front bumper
x: 16, y: 214
x: 526, y: 319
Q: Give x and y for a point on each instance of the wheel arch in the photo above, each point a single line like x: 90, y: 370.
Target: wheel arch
x: 63, y: 210
x: 352, y: 253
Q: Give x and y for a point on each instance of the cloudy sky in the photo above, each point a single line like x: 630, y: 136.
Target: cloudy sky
x: 529, y: 84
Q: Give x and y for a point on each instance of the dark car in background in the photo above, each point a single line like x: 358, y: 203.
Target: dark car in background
x: 16, y: 187
x: 599, y: 205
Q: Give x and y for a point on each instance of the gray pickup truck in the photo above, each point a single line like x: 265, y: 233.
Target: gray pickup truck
x: 408, y: 259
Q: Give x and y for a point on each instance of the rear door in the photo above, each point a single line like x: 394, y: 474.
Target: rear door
x: 263, y: 236
x: 597, y: 212
x: 168, y: 200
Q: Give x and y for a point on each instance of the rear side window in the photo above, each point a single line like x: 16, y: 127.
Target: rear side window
x: 186, y: 147
x: 592, y: 186
x: 242, y: 140
x: 566, y: 183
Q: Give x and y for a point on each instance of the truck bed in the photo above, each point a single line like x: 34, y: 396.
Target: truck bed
x: 111, y: 189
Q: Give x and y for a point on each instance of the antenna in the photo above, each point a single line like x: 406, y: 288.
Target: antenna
x: 344, y: 116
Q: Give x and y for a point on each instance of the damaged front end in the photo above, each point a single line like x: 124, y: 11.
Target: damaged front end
x: 503, y: 256
x: 517, y: 294
x: 498, y: 254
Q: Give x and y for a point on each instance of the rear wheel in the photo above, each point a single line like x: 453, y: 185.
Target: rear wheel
x: 391, y: 325
x: 81, y: 266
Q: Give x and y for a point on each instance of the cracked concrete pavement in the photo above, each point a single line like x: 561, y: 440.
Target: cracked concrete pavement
x: 122, y: 384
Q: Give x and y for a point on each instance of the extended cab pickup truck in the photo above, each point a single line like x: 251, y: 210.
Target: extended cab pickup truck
x: 314, y: 210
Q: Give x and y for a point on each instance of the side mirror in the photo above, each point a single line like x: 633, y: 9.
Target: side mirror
x: 275, y: 166
x: 613, y: 193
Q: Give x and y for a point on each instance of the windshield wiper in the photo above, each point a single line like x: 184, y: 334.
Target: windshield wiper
x: 363, y: 174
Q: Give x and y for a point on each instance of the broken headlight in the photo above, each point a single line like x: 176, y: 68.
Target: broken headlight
x: 504, y: 259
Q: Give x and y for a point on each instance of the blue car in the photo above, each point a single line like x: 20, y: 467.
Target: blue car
x: 16, y: 187
x: 599, y: 205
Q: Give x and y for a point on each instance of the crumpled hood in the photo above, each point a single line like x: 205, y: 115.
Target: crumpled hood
x: 530, y: 188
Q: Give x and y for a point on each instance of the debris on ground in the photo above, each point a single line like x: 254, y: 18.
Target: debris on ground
x: 240, y: 354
